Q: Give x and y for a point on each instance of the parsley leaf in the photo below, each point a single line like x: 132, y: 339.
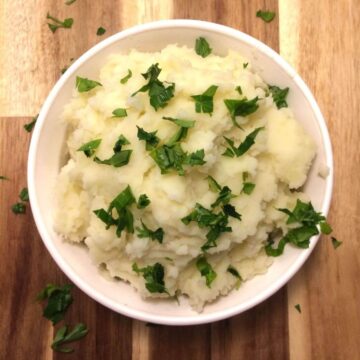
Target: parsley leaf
x: 119, y: 112
x: 231, y: 269
x: 248, y: 188
x: 62, y: 336
x: 84, y: 84
x: 204, y: 102
x: 206, y: 270
x: 30, y: 126
x: 24, y: 194
x: 90, y: 147
x: 145, y: 232
x: 154, y: 277
x: 298, y: 308
x: 213, y: 184
x: 242, y: 107
x: 279, y: 96
x: 178, y: 136
x: 143, y: 201
x: 100, y: 31
x: 69, y: 2
x: 267, y: 16
x: 239, y: 90
x: 224, y: 197
x: 125, y: 79
x: 3, y: 178
x: 231, y: 211
x: 202, y: 47
x: 159, y: 93
x: 58, y: 298
x: 336, y: 243
x: 244, y: 146
x: 195, y: 158
x: 149, y: 137
x: 18, y: 208
x: 325, y: 228
x: 67, y: 23
x: 181, y: 122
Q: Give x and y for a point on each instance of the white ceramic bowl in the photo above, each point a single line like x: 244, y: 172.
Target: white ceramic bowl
x: 47, y: 155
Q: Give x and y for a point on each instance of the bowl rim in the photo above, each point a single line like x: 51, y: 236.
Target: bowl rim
x: 66, y: 268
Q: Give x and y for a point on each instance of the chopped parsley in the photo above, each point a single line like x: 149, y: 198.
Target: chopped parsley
x: 239, y: 90
x: 213, y: 184
x: 248, y: 188
x: 100, y: 31
x: 178, y: 136
x: 154, y: 277
x: 84, y: 84
x: 204, y: 102
x: 149, y: 137
x: 90, y: 147
x: 242, y: 107
x: 267, y: 16
x: 119, y: 112
x: 335, y: 243
x: 305, y: 215
x: 30, y: 126
x: 233, y: 272
x: 19, y: 208
x: 195, y: 158
x: 24, y: 194
x: 67, y: 23
x: 69, y: 2
x: 230, y: 210
x: 279, y: 96
x: 121, y: 204
x: 224, y: 197
x: 125, y: 79
x: 64, y: 336
x: 145, y: 232
x: 298, y: 308
x: 181, y: 122
x: 202, y: 47
x: 243, y: 147
x: 58, y: 298
x: 143, y: 201
x: 2, y: 177
x: 159, y: 93
x: 63, y: 70
x: 325, y: 228
x: 245, y: 65
x: 206, y: 270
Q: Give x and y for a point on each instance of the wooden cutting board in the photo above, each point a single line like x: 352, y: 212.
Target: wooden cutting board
x: 321, y: 39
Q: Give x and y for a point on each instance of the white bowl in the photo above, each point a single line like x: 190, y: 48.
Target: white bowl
x: 47, y: 156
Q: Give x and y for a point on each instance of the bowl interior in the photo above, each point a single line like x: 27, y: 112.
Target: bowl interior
x: 47, y: 156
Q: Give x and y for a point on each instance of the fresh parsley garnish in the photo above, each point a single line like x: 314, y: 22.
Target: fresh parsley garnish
x: 245, y: 65
x: 149, y: 137
x: 67, y: 23
x: 125, y: 79
x: 120, y: 157
x: 90, y: 147
x: 325, y: 228
x: 159, y: 93
x: 30, y: 126
x: 248, y: 188
x: 213, y: 184
x: 298, y: 308
x: 181, y: 122
x: 267, y: 16
x: 58, y: 299
x: 305, y: 215
x: 145, y: 232
x: 230, y: 210
x: 202, y: 47
x: 225, y: 195
x: 243, y: 147
x: 84, y: 84
x: 239, y: 90
x: 121, y: 204
x: 335, y: 242
x: 2, y: 177
x: 242, y: 107
x: 19, y: 208
x: 279, y: 96
x: 195, y: 158
x: 206, y: 270
x: 24, y: 194
x: 63, y: 336
x: 233, y: 272
x: 154, y: 277
x: 119, y: 112
x: 100, y: 31
x: 204, y: 102
x: 143, y: 201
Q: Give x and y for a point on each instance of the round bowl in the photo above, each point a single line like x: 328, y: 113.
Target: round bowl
x: 47, y: 155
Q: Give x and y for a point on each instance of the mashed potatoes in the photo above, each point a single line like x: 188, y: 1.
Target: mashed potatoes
x: 278, y: 161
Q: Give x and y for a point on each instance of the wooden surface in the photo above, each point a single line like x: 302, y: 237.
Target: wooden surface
x: 321, y: 39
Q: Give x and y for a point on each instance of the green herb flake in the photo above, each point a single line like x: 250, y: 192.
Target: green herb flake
x: 30, y: 126
x: 90, y: 147
x: 325, y: 228
x: 206, y: 270
x: 245, y: 65
x: 149, y: 137
x: 58, y: 298
x: 69, y: 2
x: 159, y: 94
x: 119, y: 112
x: 84, y: 84
x: 202, y: 47
x: 143, y: 201
x: 213, y: 184
x: 178, y: 136
x: 120, y: 157
x: 125, y: 79
x: 63, y: 336
x: 181, y: 122
x: 248, y: 188
x: 298, y: 308
x: 225, y: 195
x: 195, y: 158
x: 66, y: 24
x: 19, y: 208
x: 2, y: 177
x: 145, y: 232
x: 244, y: 146
x: 204, y: 102
x: 335, y: 243
x: 279, y: 96
x: 267, y: 16
x: 230, y: 210
x: 24, y: 194
x: 239, y: 90
x: 154, y: 277
x: 100, y: 31
x: 232, y: 270
x: 242, y: 107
